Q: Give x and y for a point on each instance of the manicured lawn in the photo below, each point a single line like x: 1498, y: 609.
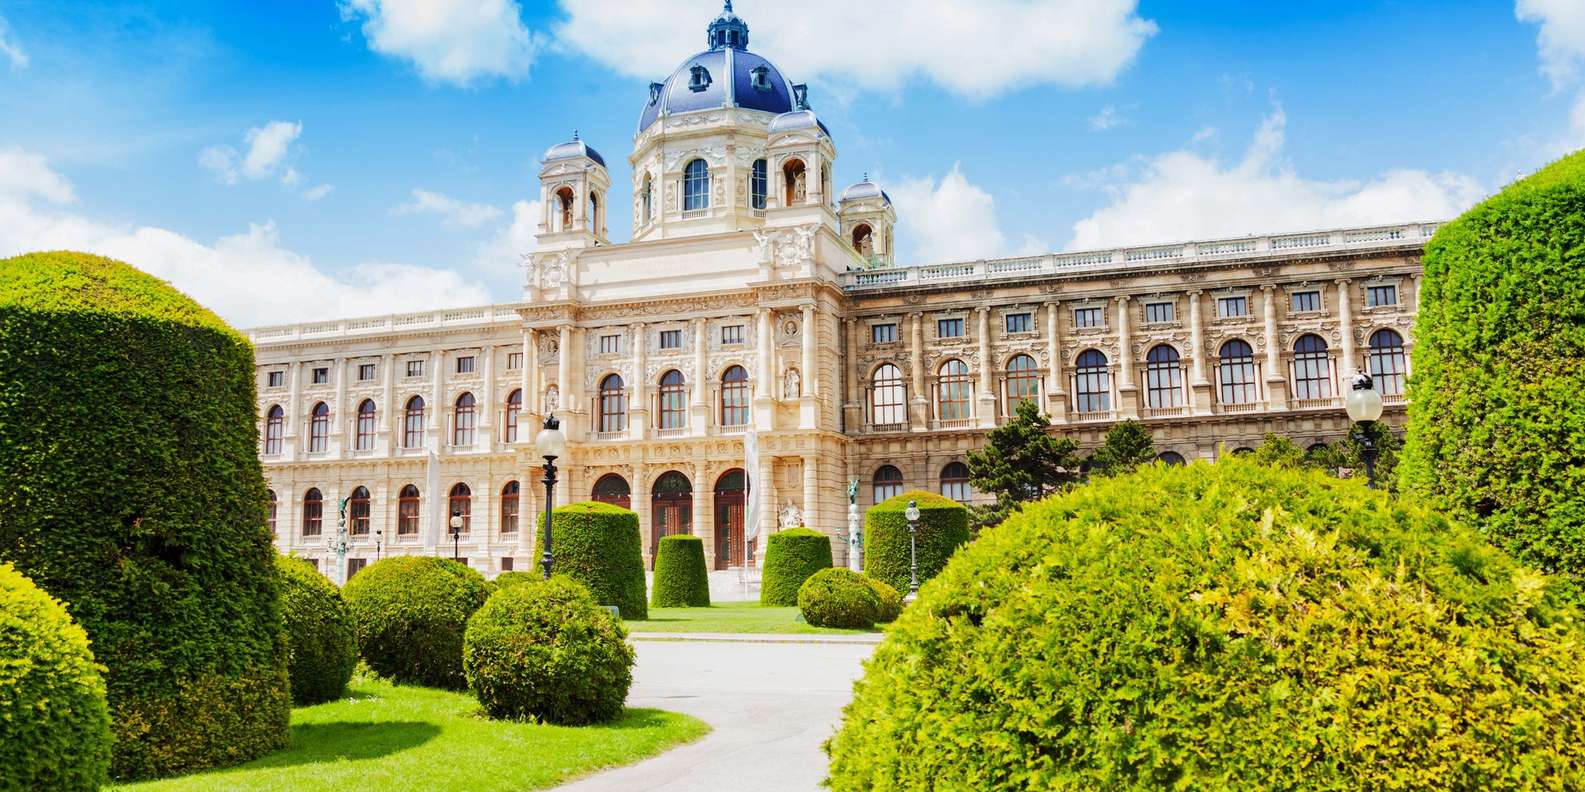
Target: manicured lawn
x: 409, y: 738
x: 728, y: 617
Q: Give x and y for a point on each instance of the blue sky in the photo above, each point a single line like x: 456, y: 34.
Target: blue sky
x: 315, y: 158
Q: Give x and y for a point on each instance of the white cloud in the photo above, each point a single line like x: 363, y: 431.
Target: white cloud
x: 502, y: 256
x: 267, y: 148
x: 947, y: 220
x: 24, y: 175
x: 1562, y: 36
x: 1203, y: 134
x: 1182, y: 195
x: 10, y: 48
x: 974, y: 48
x: 1106, y: 119
x: 449, y: 41
x: 317, y: 192
x: 452, y: 212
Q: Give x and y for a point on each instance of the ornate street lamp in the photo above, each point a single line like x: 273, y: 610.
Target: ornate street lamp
x: 456, y: 534
x: 550, y: 444
x: 379, y: 536
x: 912, y: 513
x: 1364, y: 408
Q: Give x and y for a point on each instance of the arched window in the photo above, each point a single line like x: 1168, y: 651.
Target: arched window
x: 313, y: 512
x: 1092, y: 389
x: 274, y: 429
x: 593, y: 220
x: 794, y: 178
x: 509, y: 499
x: 319, y: 428
x: 514, y: 408
x: 734, y: 396
x: 464, y: 421
x: 407, y: 511
x: 1023, y: 383
x: 954, y: 391
x: 888, y: 483
x: 358, y: 512
x: 673, y: 401
x: 1236, y: 370
x: 888, y: 402
x: 1387, y: 362
x: 863, y: 240
x: 366, y: 425
x: 1312, y: 374
x: 955, y: 482
x: 413, y: 423
x: 271, y: 511
x: 1171, y: 458
x: 1243, y: 451
x: 564, y: 201
x: 613, y: 404
x: 1163, y: 377
x: 460, y: 503
x: 756, y: 185
x: 613, y: 489
x: 696, y: 186
x: 649, y: 198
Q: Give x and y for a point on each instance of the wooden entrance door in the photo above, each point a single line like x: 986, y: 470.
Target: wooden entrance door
x: 671, y: 510
x: 729, y: 501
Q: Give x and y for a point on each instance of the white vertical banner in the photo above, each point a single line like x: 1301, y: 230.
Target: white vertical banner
x: 751, y: 514
x: 436, y: 502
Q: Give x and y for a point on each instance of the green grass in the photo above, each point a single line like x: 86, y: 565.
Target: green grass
x: 386, y: 737
x: 729, y: 617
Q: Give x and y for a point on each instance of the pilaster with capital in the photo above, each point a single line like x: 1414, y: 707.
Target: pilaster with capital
x: 986, y: 403
x: 703, y: 527
x: 1276, y: 382
x: 852, y: 409
x: 1127, y: 391
x: 808, y: 402
x: 918, y: 403
x: 765, y: 379
x: 699, y: 403
x: 1199, y: 384
x: 1056, y: 388
x: 638, y: 401
x: 339, y: 425
x: 811, y: 495
x: 1345, y: 328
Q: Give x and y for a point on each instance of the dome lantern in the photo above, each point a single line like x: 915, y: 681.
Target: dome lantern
x: 728, y: 30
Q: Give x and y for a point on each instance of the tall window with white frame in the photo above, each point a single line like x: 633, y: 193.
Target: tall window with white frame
x: 1387, y: 364
x: 1236, y: 372
x: 270, y: 515
x: 319, y: 429
x: 1092, y: 387
x: 1163, y: 378
x: 413, y: 423
x: 1023, y: 382
x: 358, y: 512
x: 955, y: 482
x: 734, y: 396
x: 696, y: 186
x: 364, y: 439
x: 757, y: 185
x: 407, y: 511
x: 888, y: 403
x: 510, y: 495
x: 954, y: 391
x: 464, y: 423
x: 461, y: 503
x: 887, y: 483
x: 1312, y: 372
x: 613, y: 405
x: 274, y: 430
x: 514, y: 409
x: 673, y: 401
x: 313, y: 512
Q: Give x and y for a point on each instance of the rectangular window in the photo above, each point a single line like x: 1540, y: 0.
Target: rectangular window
x: 415, y: 368
x: 732, y: 334
x: 465, y: 364
x: 514, y: 361
x: 1306, y: 301
x: 277, y: 379
x: 1159, y: 312
x: 355, y: 565
x: 1089, y: 317
x: 365, y: 372
x: 949, y: 328
x: 671, y: 339
x: 1376, y: 296
x: 883, y: 333
x: 1230, y: 307
x: 321, y: 376
x: 610, y: 344
x: 1019, y: 323
x: 506, y: 563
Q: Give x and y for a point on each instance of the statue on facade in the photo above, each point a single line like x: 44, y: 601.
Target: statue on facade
x: 790, y: 517
x: 792, y: 385
x: 552, y: 399
x: 800, y: 190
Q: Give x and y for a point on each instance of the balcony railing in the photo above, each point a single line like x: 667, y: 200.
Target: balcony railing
x: 505, y: 313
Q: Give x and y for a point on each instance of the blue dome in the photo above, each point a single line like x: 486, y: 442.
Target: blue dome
x: 726, y: 75
x: 573, y: 149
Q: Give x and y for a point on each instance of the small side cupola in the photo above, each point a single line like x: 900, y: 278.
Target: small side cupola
x: 573, y: 184
x: 868, y: 220
x: 728, y: 30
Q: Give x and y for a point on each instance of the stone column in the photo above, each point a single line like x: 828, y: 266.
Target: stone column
x: 1056, y: 385
x: 564, y: 390
x: 1345, y: 328
x: 852, y: 409
x: 529, y: 382
x: 1414, y: 282
x: 339, y: 425
x: 702, y: 525
x: 699, y: 408
x: 764, y: 493
x: 638, y: 389
x: 808, y: 404
x: 1276, y: 379
x: 1127, y: 391
x: 486, y: 401
x: 1199, y: 385
x: 918, y: 402
x: 438, y: 407
x: 640, y: 503
x: 765, y: 378
x: 985, y: 405
x: 530, y: 503
x: 388, y: 407
x: 294, y: 410
x: 811, y: 499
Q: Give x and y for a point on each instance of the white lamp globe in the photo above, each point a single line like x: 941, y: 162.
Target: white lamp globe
x: 912, y: 512
x: 1364, y: 401
x: 550, y: 443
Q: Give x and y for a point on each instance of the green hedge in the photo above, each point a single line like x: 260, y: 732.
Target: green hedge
x: 791, y: 556
x: 130, y: 489
x: 598, y: 545
x: 321, y: 645
x: 545, y: 650
x: 839, y: 598
x: 1227, y: 626
x: 1497, y: 399
x: 54, y: 722
x: 681, y: 580
x: 410, y: 613
x: 891, y: 603
x: 943, y: 527
x: 509, y: 579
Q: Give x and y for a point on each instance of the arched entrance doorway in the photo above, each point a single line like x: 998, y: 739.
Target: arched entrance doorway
x: 671, y: 509
x: 729, y: 501
x: 613, y: 489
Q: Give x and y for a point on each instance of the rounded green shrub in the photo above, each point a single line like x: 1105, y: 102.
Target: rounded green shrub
x: 791, y: 556
x: 599, y: 545
x: 508, y: 579
x: 54, y: 722
x: 839, y: 598
x: 891, y: 603
x: 409, y: 614
x: 943, y: 527
x: 681, y: 580
x: 131, y: 489
x: 1497, y: 397
x: 1227, y: 626
x: 545, y: 650
x: 322, y: 650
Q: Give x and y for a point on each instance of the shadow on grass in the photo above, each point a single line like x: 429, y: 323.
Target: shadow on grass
x: 328, y: 742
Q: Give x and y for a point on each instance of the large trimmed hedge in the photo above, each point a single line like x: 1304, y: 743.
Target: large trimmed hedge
x: 1227, y: 626
x: 943, y: 527
x: 130, y: 488
x: 54, y: 722
x: 1497, y: 396
x: 410, y: 612
x: 791, y: 556
x: 599, y: 545
x: 681, y: 580
x: 322, y: 648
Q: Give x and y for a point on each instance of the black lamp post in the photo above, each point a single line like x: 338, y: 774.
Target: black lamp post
x: 456, y: 535
x: 1364, y: 408
x: 550, y: 444
x: 379, y: 536
x: 912, y: 513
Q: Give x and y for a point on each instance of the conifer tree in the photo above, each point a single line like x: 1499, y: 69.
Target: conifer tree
x: 1022, y: 461
x: 1128, y: 445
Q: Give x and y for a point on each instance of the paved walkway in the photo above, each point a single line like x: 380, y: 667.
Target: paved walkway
x: 770, y: 704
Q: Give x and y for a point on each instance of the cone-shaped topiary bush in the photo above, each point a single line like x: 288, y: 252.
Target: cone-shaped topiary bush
x: 410, y: 613
x: 598, y: 545
x: 54, y: 723
x: 791, y: 556
x: 943, y: 527
x: 1227, y: 626
x: 1497, y: 392
x: 545, y: 650
x: 839, y: 598
x: 680, y: 577
x: 130, y: 489
x: 322, y: 650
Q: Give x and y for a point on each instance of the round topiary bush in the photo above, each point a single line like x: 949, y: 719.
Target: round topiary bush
x: 130, y: 489
x: 322, y: 650
x: 508, y: 579
x: 54, y: 722
x: 409, y: 614
x: 791, y: 556
x: 891, y: 603
x: 1227, y: 626
x: 1497, y: 397
x: 839, y: 598
x: 680, y: 577
x: 546, y: 650
x: 943, y: 527
x: 598, y: 545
